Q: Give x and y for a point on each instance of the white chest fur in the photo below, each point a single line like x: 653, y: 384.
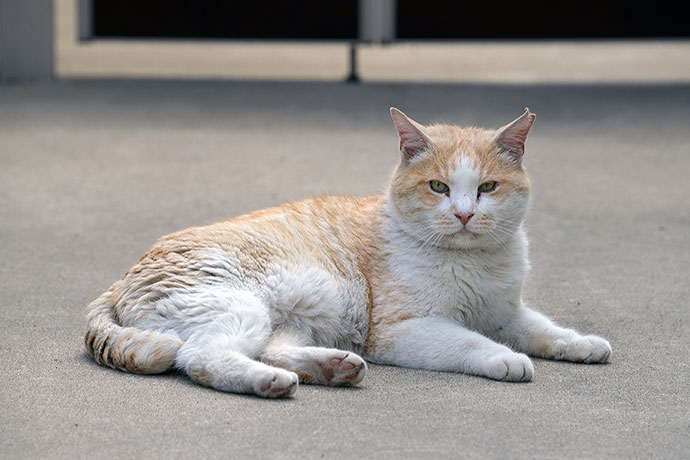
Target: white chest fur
x: 470, y: 286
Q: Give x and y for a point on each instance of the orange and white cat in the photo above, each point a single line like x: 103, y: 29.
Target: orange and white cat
x: 427, y: 275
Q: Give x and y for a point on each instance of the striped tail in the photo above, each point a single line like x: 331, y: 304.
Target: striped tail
x: 126, y: 348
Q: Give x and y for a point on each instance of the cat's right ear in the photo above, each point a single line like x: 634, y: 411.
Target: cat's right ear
x: 413, y: 142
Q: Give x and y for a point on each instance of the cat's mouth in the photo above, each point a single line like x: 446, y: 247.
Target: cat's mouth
x: 463, y: 233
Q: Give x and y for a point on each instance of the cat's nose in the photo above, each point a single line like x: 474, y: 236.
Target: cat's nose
x: 464, y: 218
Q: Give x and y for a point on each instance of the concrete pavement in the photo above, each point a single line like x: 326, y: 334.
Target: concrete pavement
x: 92, y: 172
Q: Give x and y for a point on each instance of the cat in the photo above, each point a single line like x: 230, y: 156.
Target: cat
x: 427, y: 275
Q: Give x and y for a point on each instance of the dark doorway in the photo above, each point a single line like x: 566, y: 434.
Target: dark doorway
x: 218, y: 19
x: 416, y: 20
x: 438, y: 19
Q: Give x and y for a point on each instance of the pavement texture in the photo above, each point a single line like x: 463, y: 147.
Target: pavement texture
x: 93, y: 172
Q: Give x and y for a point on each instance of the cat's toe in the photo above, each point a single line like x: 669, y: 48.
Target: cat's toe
x: 277, y: 384
x: 589, y: 349
x: 510, y: 367
x: 601, y: 350
x: 346, y: 370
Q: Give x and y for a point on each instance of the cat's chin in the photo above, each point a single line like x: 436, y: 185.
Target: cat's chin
x: 466, y: 239
x: 463, y: 239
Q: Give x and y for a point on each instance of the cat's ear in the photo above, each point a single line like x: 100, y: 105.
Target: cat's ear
x: 510, y: 139
x: 413, y: 142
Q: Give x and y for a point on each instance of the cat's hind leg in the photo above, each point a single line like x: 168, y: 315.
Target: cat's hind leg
x: 316, y: 365
x: 220, y: 351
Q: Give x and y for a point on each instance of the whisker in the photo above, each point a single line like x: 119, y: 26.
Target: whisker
x: 497, y: 240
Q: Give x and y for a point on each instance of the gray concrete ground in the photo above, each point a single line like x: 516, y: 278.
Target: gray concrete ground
x: 91, y: 173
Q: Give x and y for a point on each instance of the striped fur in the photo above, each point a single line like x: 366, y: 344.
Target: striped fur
x: 126, y: 348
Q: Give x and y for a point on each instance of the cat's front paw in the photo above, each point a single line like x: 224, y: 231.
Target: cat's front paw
x: 583, y: 349
x: 510, y: 367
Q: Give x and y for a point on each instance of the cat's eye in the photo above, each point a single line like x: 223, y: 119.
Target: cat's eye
x: 487, y: 187
x: 438, y: 186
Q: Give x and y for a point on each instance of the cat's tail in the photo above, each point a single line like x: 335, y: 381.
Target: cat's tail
x: 126, y: 348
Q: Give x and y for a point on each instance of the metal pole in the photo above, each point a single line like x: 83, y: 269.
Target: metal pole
x: 353, y: 77
x: 85, y: 16
x: 377, y: 20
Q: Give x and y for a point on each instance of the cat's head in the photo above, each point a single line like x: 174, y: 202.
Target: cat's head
x: 460, y: 187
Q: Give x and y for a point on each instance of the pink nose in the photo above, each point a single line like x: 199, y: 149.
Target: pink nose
x: 464, y: 218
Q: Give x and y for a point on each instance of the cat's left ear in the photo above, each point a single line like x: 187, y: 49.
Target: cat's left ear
x: 510, y: 139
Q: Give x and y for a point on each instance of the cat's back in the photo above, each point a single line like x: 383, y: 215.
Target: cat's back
x: 296, y: 229
x: 329, y: 233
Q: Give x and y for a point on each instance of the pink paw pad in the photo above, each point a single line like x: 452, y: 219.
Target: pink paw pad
x: 279, y: 387
x: 273, y: 390
x: 341, y: 371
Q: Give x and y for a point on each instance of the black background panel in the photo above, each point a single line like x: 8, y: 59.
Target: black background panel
x: 284, y: 19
